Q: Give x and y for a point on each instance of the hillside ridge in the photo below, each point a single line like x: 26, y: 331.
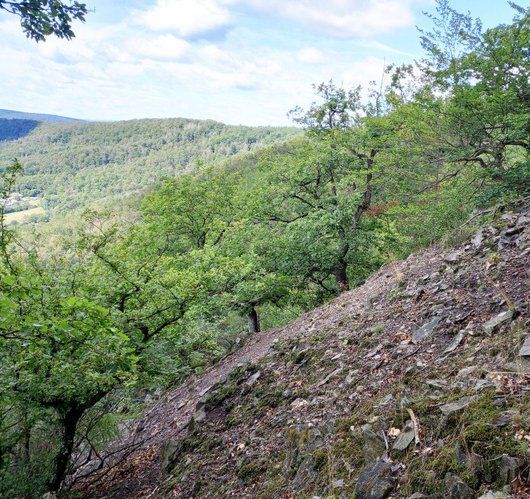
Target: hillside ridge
x: 51, y: 118
x: 331, y: 404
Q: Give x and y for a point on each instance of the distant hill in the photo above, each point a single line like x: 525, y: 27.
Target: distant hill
x: 86, y: 164
x: 50, y: 118
x: 13, y: 129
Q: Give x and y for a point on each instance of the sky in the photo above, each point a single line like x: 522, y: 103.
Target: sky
x: 242, y: 62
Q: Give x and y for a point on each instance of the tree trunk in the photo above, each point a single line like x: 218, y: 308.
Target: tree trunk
x: 253, y: 321
x: 70, y: 420
x: 341, y: 268
x: 341, y: 276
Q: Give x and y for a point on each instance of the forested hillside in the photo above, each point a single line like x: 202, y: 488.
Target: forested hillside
x: 8, y: 114
x: 79, y: 165
x: 95, y: 321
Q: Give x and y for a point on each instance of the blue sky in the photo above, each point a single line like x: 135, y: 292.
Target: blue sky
x: 236, y: 61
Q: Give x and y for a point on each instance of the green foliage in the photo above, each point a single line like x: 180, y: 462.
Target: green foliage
x: 74, y: 166
x: 41, y: 18
x: 484, y: 77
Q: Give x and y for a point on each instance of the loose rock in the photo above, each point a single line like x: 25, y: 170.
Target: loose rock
x: 457, y: 488
x: 497, y: 321
x: 425, y: 330
x: 525, y: 349
x: 375, y: 482
x: 405, y: 438
x: 456, y: 406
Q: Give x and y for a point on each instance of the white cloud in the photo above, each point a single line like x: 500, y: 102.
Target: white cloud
x: 163, y: 67
x: 344, y: 18
x: 161, y: 48
x: 186, y: 18
x: 311, y: 55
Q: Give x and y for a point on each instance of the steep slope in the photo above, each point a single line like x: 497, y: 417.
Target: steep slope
x: 414, y: 383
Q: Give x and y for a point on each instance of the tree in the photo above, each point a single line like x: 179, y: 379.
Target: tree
x: 42, y: 18
x: 77, y: 325
x: 482, y: 83
x: 323, y: 186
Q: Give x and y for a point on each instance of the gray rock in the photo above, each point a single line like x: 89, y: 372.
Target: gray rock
x: 496, y: 321
x: 457, y: 405
x: 405, y: 438
x: 495, y: 495
x: 452, y: 258
x: 389, y: 398
x: 416, y: 495
x: 438, y: 383
x: 425, y: 330
x: 338, y: 484
x: 456, y: 342
x: 525, y: 349
x: 483, y: 384
x: 457, y: 488
x: 509, y: 467
x: 329, y: 376
x: 505, y: 418
x: 461, y: 455
x: 466, y: 371
x: 252, y: 380
x: 478, y: 239
x: 375, y: 482
x: 170, y: 453
x: 374, y: 445
x: 520, y: 366
x: 523, y: 220
x: 512, y: 231
x: 200, y: 415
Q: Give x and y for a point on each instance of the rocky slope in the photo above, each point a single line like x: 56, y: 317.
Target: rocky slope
x: 416, y: 384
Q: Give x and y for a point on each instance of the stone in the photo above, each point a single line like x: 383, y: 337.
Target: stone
x: 329, y: 376
x: 456, y: 342
x: 438, y: 383
x: 169, y: 454
x: 200, y: 415
x: 338, y: 484
x: 389, y: 398
x: 457, y: 488
x: 505, y: 418
x: 525, y: 349
x: 457, y: 405
x: 451, y: 258
x: 496, y: 321
x: 512, y: 231
x: 509, y: 467
x: 483, y: 384
x: 416, y: 495
x: 523, y: 220
x: 466, y: 371
x: 299, y: 403
x: 461, y: 455
x: 425, y: 330
x: 478, y: 239
x: 405, y: 437
x: 252, y: 380
x: 375, y: 482
x: 495, y: 495
x: 374, y: 445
